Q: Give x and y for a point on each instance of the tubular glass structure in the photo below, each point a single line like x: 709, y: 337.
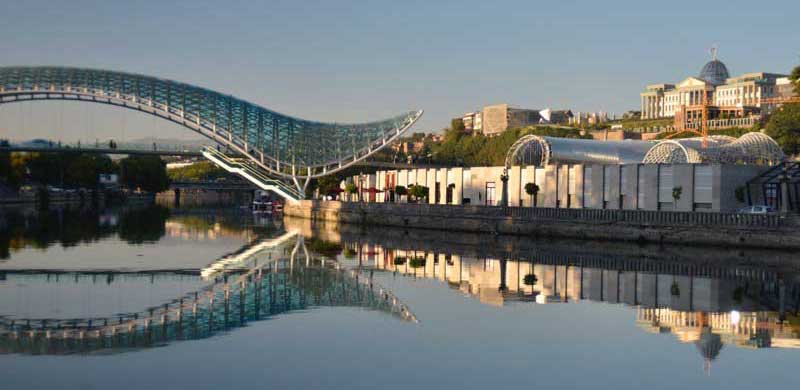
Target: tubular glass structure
x: 540, y: 151
x: 751, y: 148
x: 284, y: 146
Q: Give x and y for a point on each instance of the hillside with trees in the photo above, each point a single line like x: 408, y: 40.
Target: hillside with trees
x: 463, y: 149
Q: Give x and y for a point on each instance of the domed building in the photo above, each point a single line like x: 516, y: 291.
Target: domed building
x: 714, y: 72
x: 737, y: 99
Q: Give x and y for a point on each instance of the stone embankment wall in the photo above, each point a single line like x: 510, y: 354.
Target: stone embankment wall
x: 758, y: 231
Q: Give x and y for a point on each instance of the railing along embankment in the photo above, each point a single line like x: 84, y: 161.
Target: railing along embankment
x: 702, y: 228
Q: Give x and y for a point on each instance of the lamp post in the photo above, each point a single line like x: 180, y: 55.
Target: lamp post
x: 504, y: 179
x: 784, y: 180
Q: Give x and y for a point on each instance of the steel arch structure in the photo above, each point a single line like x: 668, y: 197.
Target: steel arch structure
x: 751, y: 148
x: 284, y: 146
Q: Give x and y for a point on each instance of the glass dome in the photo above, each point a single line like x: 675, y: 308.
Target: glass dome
x: 714, y: 72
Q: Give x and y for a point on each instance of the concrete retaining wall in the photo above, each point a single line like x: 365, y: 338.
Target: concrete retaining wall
x: 760, y: 231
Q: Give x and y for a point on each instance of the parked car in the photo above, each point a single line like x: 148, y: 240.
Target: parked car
x: 757, y: 209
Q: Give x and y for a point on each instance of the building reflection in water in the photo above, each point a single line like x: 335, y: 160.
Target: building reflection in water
x: 709, y: 306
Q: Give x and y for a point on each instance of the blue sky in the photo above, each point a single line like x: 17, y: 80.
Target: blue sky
x: 362, y: 60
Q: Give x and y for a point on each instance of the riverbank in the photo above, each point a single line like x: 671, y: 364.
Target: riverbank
x: 716, y: 229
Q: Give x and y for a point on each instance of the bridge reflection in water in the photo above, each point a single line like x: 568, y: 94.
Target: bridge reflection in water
x: 232, y: 298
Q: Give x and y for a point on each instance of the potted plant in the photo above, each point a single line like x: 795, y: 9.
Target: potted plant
x: 418, y: 192
x: 676, y: 194
x: 532, y: 189
x: 400, y: 191
x: 351, y: 189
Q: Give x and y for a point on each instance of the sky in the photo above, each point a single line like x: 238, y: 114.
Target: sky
x: 357, y: 61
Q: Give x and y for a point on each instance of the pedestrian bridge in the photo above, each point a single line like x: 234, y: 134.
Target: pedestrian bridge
x: 277, y: 147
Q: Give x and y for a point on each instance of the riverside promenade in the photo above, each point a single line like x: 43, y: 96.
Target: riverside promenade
x: 690, y: 228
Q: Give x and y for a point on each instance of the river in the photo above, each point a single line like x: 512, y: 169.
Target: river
x: 147, y: 296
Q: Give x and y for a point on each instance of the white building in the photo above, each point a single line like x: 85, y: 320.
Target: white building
x: 734, y: 95
x: 703, y: 187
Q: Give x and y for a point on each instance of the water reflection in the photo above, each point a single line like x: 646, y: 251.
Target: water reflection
x: 69, y: 226
x: 709, y: 297
x: 256, y: 283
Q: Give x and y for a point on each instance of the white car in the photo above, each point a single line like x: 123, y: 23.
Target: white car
x: 758, y: 209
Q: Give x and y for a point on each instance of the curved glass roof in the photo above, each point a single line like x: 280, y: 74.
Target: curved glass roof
x: 714, y: 72
x: 751, y: 148
x: 284, y: 145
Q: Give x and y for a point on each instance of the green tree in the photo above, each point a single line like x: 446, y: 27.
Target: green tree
x: 147, y: 173
x: 47, y: 168
x: 199, y: 171
x: 6, y: 168
x: 19, y: 167
x: 418, y: 192
x: 84, y: 169
x: 733, y: 132
x: 676, y: 193
x: 784, y: 127
x: 328, y: 185
x: 351, y: 188
x: 400, y: 191
x: 459, y: 149
x: 533, y: 190
x: 457, y: 124
x: 795, y: 77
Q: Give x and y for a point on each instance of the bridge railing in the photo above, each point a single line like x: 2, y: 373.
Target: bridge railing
x: 251, y: 172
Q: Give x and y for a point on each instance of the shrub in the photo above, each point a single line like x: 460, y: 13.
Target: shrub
x: 400, y: 260
x: 676, y: 193
x: 531, y: 189
x: 418, y: 192
x: 417, y: 262
x: 530, y: 279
